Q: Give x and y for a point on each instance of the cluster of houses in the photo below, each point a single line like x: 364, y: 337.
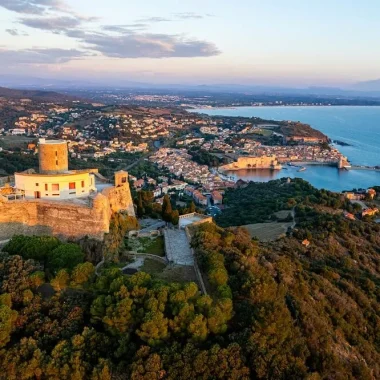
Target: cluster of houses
x: 180, y: 164
x: 365, y: 212
x: 360, y: 196
x: 164, y: 187
x: 296, y: 153
x: 201, y: 199
x: 159, y: 189
x: 27, y: 124
x: 220, y: 132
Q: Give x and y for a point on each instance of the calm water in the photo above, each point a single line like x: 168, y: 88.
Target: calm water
x: 357, y: 126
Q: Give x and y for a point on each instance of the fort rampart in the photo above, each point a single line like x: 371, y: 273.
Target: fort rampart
x: 263, y: 162
x: 65, y: 219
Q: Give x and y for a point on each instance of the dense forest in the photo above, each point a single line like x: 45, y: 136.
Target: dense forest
x: 74, y: 324
x: 256, y: 202
x: 277, y: 310
x: 301, y: 312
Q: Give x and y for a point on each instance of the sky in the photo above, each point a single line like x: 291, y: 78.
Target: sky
x: 278, y: 42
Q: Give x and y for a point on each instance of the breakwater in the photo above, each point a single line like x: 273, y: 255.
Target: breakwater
x: 359, y: 167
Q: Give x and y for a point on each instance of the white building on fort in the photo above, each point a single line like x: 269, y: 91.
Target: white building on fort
x: 55, y: 181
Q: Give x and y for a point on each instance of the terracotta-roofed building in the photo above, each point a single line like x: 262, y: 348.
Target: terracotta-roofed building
x: 138, y: 184
x: 200, y: 198
x: 370, y: 211
x: 217, y: 197
x: 354, y: 196
x: 371, y: 193
x: 189, y: 191
x: 349, y: 216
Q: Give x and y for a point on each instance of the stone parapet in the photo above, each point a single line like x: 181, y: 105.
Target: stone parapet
x: 120, y: 199
x: 62, y: 219
x: 67, y: 219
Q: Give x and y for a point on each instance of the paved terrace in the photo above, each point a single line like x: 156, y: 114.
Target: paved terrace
x: 177, y: 247
x: 193, y: 218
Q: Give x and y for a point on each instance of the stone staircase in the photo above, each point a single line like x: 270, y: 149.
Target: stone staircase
x: 177, y: 247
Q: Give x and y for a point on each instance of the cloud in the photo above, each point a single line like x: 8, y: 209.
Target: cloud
x: 149, y: 45
x: 55, y: 24
x: 124, y: 41
x: 75, y: 33
x: 116, y: 41
x: 176, y: 17
x: 189, y: 15
x: 12, y: 32
x: 154, y: 19
x: 42, y: 8
x: 36, y: 7
x: 15, y: 32
x: 39, y: 56
x: 124, y: 28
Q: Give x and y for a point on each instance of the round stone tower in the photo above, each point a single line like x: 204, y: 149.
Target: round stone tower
x: 53, y: 156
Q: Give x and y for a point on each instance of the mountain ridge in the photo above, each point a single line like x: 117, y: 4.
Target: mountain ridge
x: 36, y: 95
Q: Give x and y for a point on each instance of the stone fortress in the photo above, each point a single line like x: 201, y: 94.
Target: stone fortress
x: 60, y: 202
x: 55, y: 180
x: 246, y: 162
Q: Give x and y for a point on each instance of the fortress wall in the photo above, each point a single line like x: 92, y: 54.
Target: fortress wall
x: 255, y: 161
x: 64, y: 220
x: 120, y: 199
x: 263, y: 162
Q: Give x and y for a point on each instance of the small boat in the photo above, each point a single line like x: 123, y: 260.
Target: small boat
x: 301, y: 169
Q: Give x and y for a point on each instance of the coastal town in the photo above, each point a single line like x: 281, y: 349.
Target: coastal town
x: 187, y: 153
x: 189, y: 190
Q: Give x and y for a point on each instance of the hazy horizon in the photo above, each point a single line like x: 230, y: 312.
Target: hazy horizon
x: 290, y: 44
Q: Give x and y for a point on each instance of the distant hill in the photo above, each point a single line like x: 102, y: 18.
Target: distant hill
x: 37, y: 95
x: 371, y: 85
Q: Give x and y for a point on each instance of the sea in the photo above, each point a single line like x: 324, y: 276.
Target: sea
x: 357, y: 126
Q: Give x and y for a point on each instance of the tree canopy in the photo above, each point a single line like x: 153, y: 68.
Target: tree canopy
x: 274, y: 310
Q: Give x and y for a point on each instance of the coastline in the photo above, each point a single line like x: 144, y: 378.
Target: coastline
x: 340, y: 123
x: 239, y: 169
x: 280, y: 106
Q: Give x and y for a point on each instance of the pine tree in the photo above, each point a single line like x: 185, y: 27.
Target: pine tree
x: 167, y: 209
x: 192, y: 207
x: 175, y: 217
x: 140, y: 207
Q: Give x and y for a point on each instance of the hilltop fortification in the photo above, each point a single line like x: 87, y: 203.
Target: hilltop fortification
x: 60, y: 202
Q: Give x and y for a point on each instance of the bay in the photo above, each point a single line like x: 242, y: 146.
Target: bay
x: 357, y: 126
